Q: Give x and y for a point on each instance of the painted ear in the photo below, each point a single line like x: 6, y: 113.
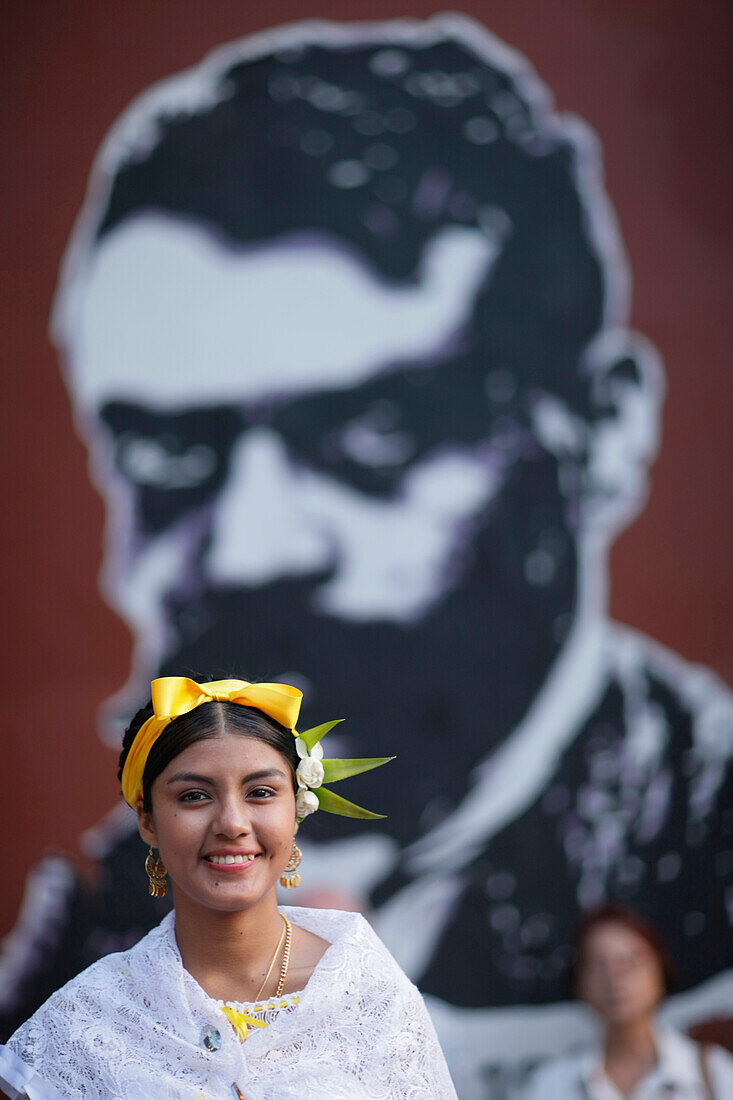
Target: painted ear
x: 627, y: 390
x: 623, y: 367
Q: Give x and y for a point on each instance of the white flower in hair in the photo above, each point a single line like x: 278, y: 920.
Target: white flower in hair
x: 310, y: 771
x: 316, y: 753
x: 313, y: 771
x: 305, y: 803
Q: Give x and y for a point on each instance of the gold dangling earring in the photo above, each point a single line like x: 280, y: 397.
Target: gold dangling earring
x: 290, y: 876
x: 155, y: 868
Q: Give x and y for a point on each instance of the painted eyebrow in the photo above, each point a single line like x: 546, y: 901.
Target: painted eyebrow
x: 194, y: 777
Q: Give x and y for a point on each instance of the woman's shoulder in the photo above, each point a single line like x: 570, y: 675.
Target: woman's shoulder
x: 96, y: 983
x: 60, y: 1042
x: 330, y: 924
x: 350, y: 933
x: 340, y: 929
x: 560, y: 1078
x: 719, y: 1065
x: 355, y: 956
x: 691, y: 1060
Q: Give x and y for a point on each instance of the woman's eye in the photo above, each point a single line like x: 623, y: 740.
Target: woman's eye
x: 262, y: 792
x: 192, y: 796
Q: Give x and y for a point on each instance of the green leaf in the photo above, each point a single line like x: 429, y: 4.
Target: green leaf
x: 333, y: 770
x: 334, y: 804
x: 314, y: 735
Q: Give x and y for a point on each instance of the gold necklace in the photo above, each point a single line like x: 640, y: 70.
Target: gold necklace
x: 241, y: 1021
x: 286, y: 957
x: 272, y: 961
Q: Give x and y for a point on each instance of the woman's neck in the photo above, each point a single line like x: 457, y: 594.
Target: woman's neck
x: 630, y: 1052
x: 228, y: 953
x: 634, y: 1035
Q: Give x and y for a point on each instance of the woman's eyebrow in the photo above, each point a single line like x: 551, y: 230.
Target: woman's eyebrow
x: 190, y: 777
x: 194, y: 777
x: 266, y: 773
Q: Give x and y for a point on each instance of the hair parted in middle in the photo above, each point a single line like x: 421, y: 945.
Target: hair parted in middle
x: 208, y: 720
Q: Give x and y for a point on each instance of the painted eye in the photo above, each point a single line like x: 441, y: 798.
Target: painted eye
x: 157, y: 462
x: 373, y: 439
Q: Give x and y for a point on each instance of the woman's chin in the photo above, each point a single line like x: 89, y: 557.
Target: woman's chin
x: 621, y: 1015
x: 221, y: 898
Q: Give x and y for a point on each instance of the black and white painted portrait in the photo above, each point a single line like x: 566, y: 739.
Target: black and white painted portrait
x: 344, y: 323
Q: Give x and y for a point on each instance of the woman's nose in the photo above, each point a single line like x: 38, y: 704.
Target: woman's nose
x: 232, y: 818
x: 260, y: 529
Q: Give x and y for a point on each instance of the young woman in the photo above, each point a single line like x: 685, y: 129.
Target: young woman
x: 230, y: 996
x: 622, y: 972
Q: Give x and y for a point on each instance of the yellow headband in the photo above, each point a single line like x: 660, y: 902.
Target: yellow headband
x: 173, y: 696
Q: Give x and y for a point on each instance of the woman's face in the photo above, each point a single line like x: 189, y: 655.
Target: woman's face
x: 223, y: 818
x: 619, y: 974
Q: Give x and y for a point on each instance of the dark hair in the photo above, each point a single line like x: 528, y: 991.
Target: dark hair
x: 203, y: 722
x: 612, y: 912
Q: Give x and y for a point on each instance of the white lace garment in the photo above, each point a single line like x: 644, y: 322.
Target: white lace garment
x: 132, y: 1026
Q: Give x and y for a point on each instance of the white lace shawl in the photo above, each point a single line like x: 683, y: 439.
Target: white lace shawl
x: 132, y: 1025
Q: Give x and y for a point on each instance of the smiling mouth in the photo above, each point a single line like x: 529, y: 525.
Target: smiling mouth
x: 229, y: 861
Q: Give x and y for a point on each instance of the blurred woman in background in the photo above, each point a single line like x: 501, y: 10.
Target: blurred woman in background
x: 622, y: 971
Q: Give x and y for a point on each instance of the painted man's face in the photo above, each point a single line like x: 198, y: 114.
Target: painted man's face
x: 270, y: 417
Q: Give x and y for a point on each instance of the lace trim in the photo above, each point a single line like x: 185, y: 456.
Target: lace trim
x: 289, y: 1000
x: 267, y: 1011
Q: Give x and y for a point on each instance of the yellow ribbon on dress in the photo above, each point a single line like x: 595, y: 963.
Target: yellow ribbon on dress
x: 240, y: 1021
x: 173, y: 696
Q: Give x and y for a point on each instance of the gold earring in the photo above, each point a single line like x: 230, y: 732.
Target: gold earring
x: 155, y: 868
x: 290, y: 876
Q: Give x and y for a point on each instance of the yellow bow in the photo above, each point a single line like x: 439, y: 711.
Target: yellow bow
x: 239, y: 1021
x: 173, y: 696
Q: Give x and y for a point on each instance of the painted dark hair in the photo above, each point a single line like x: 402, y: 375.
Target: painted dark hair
x: 546, y: 298
x: 203, y: 722
x: 613, y: 912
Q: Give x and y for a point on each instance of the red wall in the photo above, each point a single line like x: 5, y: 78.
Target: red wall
x: 649, y: 75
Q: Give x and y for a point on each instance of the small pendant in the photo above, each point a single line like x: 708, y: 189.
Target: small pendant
x: 212, y: 1039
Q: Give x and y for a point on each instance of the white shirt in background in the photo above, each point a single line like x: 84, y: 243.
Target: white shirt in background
x: 677, y: 1075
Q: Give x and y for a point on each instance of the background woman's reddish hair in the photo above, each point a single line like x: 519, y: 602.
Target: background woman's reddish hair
x: 613, y: 912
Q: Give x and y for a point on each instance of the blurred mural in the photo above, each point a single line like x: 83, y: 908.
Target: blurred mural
x: 344, y: 324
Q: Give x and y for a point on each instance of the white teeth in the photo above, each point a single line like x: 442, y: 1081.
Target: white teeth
x: 230, y: 859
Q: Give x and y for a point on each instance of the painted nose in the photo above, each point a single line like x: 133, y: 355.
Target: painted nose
x: 260, y: 530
